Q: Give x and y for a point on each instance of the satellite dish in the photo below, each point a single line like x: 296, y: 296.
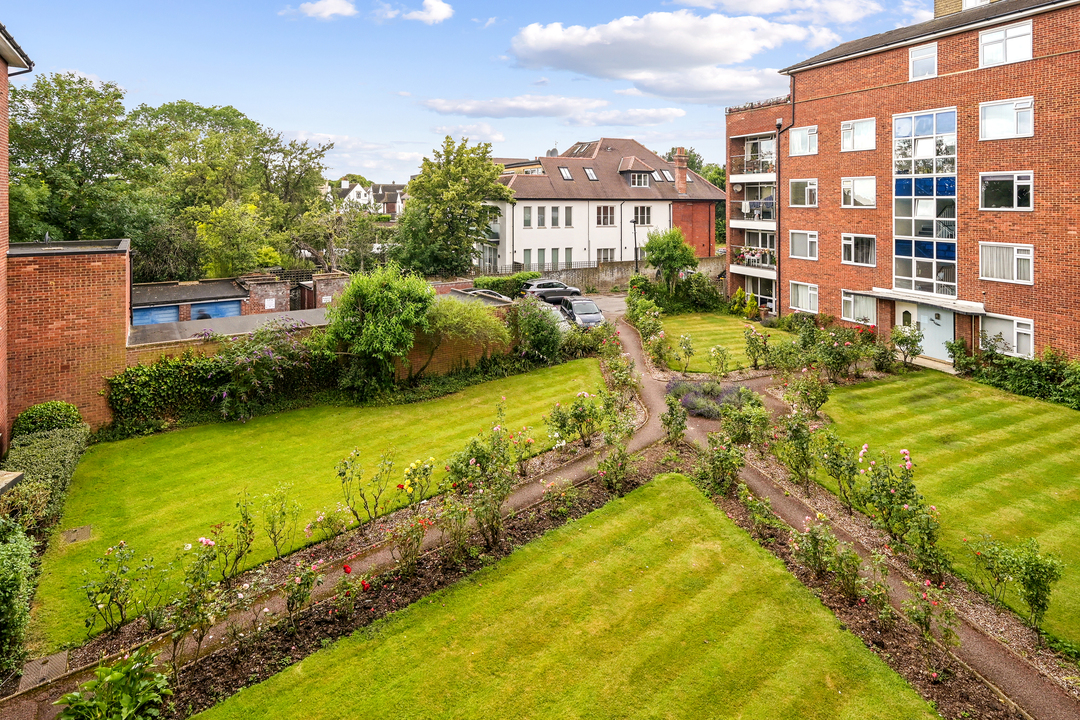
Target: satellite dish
x: 737, y: 188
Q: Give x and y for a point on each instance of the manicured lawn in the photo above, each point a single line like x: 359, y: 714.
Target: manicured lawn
x: 655, y: 606
x: 158, y: 493
x: 992, y: 462
x: 709, y: 329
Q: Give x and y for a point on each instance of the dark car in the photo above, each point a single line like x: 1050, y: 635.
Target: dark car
x: 582, y: 312
x: 548, y: 290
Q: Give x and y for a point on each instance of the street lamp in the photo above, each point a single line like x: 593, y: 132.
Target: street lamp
x: 634, y: 223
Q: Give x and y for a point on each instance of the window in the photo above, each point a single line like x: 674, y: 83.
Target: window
x: 763, y: 289
x: 922, y: 62
x: 803, y: 141
x: 1006, y: 119
x: 568, y: 217
x: 605, y: 215
x: 589, y: 173
x: 540, y: 259
x: 565, y: 172
x: 643, y: 215
x: 859, y: 249
x: 605, y: 255
x: 527, y: 258
x: 540, y: 216
x: 858, y: 308
x: 858, y: 135
x: 803, y: 297
x: 1005, y: 191
x: 763, y: 240
x: 925, y: 143
x: 656, y: 176
x: 667, y: 176
x: 858, y: 192
x: 568, y: 257
x: 804, y: 245
x: 1005, y: 45
x: 554, y: 258
x: 554, y: 216
x: 1006, y: 263
x: 1017, y: 333
x: 639, y: 179
x: 526, y: 216
x: 803, y: 193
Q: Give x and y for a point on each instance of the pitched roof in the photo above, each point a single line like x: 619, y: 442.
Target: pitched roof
x: 944, y: 25
x: 12, y: 54
x: 387, y: 192
x: 606, y: 158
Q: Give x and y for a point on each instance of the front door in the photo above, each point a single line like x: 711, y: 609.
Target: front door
x: 937, y: 327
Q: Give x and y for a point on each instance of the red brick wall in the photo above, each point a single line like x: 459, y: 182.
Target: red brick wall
x: 697, y: 220
x: 328, y: 285
x: 444, y: 288
x: 4, y: 420
x: 877, y: 86
x: 68, y: 329
x: 260, y: 292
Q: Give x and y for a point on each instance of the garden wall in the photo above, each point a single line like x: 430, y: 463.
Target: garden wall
x: 617, y: 274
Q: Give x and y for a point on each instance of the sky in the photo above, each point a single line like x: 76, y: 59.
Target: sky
x: 385, y: 81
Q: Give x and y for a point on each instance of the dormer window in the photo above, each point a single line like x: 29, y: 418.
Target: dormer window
x: 667, y: 176
x: 589, y: 173
x: 565, y: 171
x: 639, y: 179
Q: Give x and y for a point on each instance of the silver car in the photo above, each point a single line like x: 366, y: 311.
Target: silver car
x: 582, y: 312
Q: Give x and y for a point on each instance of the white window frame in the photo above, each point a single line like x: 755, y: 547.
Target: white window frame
x: 848, y: 183
x: 811, y: 185
x: 667, y: 175
x: 1004, y: 43
x: 605, y: 255
x: 1030, y: 331
x: 607, y: 213
x: 541, y: 216
x: 1020, y: 253
x: 565, y: 172
x: 591, y: 174
x: 848, y: 298
x: 553, y: 216
x: 847, y: 240
x: 568, y: 216
x: 1016, y: 183
x: 811, y: 296
x: 811, y: 244
x: 1019, y: 105
x: 811, y: 135
x: 646, y: 212
x: 639, y: 179
x: 848, y: 126
x: 526, y: 217
x: 912, y: 59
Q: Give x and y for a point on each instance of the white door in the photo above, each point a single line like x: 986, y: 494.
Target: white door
x: 937, y: 327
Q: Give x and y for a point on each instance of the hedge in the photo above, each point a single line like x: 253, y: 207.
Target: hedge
x: 51, y: 415
x: 16, y: 588
x: 47, y: 461
x: 508, y: 286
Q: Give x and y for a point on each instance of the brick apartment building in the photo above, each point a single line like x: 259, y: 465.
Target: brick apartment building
x: 587, y: 205
x: 925, y: 175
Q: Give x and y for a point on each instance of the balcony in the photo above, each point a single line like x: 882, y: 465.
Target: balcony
x: 756, y: 262
x: 759, y: 165
x: 753, y: 214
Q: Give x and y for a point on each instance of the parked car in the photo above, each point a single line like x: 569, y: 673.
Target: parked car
x: 551, y: 291
x: 582, y: 311
x: 487, y: 293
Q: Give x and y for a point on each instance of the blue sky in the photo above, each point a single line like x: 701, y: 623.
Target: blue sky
x: 387, y: 80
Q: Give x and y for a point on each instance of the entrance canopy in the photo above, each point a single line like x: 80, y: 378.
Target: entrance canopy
x: 965, y: 307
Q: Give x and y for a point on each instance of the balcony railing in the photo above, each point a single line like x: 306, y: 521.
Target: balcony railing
x: 753, y: 257
x: 742, y: 165
x: 753, y: 210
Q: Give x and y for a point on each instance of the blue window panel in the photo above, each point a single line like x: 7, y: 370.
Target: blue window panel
x: 946, y: 251
x: 924, y: 125
x: 903, y: 248
x: 902, y: 127
x: 924, y: 187
x: 946, y: 187
x: 903, y: 187
x: 155, y: 315
x: 221, y: 309
x: 946, y: 122
x: 924, y: 249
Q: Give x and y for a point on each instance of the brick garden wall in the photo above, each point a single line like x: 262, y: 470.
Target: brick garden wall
x: 329, y: 285
x: 697, y: 220
x: 4, y: 384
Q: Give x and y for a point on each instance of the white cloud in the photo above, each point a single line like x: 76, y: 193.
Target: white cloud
x: 520, y: 106
x: 916, y: 11
x: 434, y: 12
x: 383, y: 12
x: 480, y: 132
x: 324, y: 9
x: 632, y: 91
x: 541, y: 81
x: 628, y: 118
x: 814, y: 11
x: 403, y: 93
x: 670, y: 54
x: 96, y: 79
x: 486, y: 23
x: 380, y: 162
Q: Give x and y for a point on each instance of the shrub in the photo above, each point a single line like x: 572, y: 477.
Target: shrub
x: 891, y: 493
x: 787, y: 357
x: 614, y: 468
x: 752, y: 310
x: 908, y: 341
x: 559, y: 497
x: 796, y: 450
x: 453, y: 522
x: 746, y: 424
x: 16, y: 588
x: 298, y: 589
x: 930, y: 610
x: 535, y: 330
x: 876, y: 590
x: 840, y: 463
x: 996, y: 566
x: 884, y: 356
x: 483, y: 471
x: 845, y: 564
x: 509, y: 286
x: 719, y: 466
x: 407, y: 541
x: 280, y: 516
x: 839, y: 351
x: 737, y: 306
x: 807, y: 391
x: 1038, y: 573
x: 686, y: 350
x: 816, y: 547
x: 52, y: 415
x: 47, y: 461
x: 673, y: 420
x: 757, y: 345
x: 760, y: 510
x: 581, y: 420
x: 128, y: 689
x: 699, y: 293
x: 110, y: 594
x: 718, y: 361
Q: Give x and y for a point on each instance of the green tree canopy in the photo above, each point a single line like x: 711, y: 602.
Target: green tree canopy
x: 232, y: 236
x: 452, y: 319
x: 694, y: 161
x: 668, y: 251
x: 447, y: 213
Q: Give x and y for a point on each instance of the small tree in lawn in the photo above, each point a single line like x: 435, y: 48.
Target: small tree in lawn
x: 1038, y: 573
x: 668, y: 252
x: 908, y: 340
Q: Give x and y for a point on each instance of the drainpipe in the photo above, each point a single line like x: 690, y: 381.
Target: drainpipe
x: 780, y: 129
x: 621, y: 243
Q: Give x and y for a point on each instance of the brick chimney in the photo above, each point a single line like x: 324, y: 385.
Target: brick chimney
x: 680, y: 170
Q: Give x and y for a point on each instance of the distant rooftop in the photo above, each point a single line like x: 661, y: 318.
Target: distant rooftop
x: 83, y: 247
x: 176, y: 293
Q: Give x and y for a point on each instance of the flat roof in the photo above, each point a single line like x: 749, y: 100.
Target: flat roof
x: 181, y: 293
x: 240, y: 325
x: 82, y: 247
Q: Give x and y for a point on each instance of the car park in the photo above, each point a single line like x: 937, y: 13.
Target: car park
x: 582, y: 312
x: 551, y: 291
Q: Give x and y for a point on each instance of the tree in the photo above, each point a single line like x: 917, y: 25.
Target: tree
x: 668, y: 251
x: 354, y: 179
x: 694, y: 161
x: 452, y: 319
x: 447, y: 214
x: 232, y: 236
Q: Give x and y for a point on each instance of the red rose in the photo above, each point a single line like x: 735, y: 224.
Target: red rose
x: 400, y: 487
x: 347, y: 569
